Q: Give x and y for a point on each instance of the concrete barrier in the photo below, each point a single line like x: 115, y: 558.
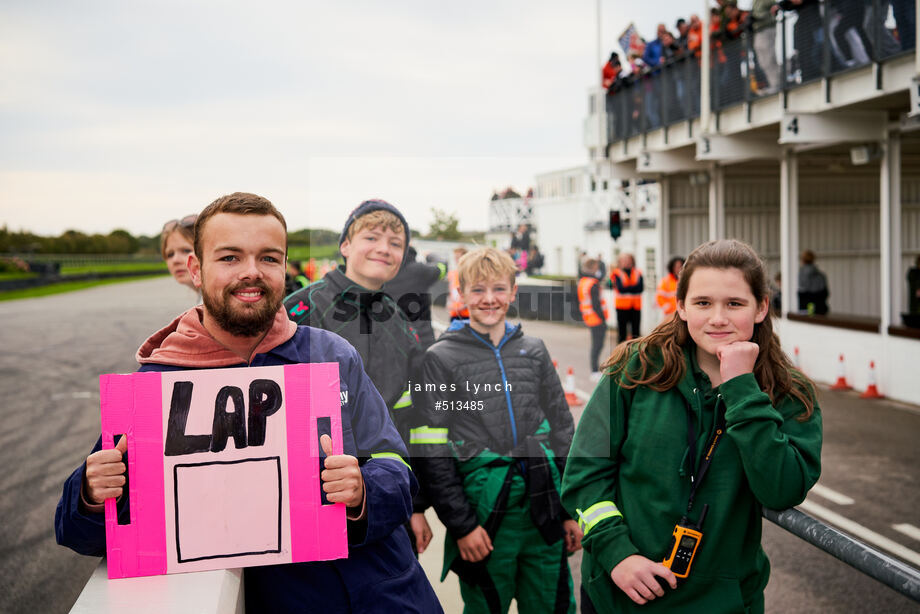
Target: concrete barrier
x: 203, y: 592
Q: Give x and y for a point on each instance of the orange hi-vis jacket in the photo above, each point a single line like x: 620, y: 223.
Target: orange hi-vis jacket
x: 626, y: 301
x: 667, y: 294
x: 455, y: 304
x: 588, y: 314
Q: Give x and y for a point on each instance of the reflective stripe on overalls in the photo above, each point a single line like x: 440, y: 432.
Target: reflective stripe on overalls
x: 404, y: 401
x: 426, y: 434
x: 594, y: 514
x: 393, y: 456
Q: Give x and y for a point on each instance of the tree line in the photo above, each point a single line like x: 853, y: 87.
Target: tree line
x: 120, y: 241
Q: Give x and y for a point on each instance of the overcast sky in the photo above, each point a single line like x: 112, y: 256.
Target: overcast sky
x: 127, y: 114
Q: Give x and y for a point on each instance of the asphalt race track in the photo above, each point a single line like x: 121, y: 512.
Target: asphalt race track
x: 54, y: 349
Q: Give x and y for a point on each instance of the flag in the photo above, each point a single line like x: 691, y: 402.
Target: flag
x: 630, y: 40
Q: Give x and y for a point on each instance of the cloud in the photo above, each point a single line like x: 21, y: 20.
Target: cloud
x: 126, y: 114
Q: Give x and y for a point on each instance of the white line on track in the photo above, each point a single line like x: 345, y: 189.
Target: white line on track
x: 908, y: 530
x: 857, y: 530
x: 831, y: 495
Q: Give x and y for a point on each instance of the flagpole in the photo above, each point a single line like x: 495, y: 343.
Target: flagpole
x: 598, y: 100
x: 706, y: 62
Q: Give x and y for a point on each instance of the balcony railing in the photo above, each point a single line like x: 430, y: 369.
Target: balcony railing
x: 764, y: 60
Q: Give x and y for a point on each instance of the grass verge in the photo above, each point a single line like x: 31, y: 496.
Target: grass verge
x: 320, y: 252
x: 116, y: 267
x: 67, y: 286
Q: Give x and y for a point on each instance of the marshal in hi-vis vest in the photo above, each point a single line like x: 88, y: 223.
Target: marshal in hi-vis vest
x: 626, y: 301
x: 590, y: 317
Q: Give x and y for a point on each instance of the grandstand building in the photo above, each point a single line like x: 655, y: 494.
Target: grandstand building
x: 821, y: 154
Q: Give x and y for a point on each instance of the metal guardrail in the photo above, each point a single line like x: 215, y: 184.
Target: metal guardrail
x: 762, y: 61
x: 890, y: 572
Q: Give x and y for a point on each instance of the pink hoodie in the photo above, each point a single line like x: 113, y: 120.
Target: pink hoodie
x: 185, y: 342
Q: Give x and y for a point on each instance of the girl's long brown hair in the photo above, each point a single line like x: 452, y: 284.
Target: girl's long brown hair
x: 660, y: 354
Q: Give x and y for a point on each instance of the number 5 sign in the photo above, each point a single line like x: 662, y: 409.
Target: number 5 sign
x: 223, y: 468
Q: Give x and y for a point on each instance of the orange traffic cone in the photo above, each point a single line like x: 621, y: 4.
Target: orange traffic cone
x: 841, y: 383
x: 871, y: 391
x: 570, y: 397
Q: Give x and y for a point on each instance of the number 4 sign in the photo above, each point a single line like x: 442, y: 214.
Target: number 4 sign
x: 223, y: 468
x: 832, y: 127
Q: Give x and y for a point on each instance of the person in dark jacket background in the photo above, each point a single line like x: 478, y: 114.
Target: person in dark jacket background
x: 243, y: 324
x: 498, y: 431
x: 913, y: 288
x: 411, y: 289
x: 812, y: 288
x: 350, y: 302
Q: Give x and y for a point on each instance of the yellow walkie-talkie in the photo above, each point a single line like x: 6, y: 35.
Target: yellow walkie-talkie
x: 685, y: 540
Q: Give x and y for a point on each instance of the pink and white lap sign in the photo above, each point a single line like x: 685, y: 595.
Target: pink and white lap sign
x: 223, y: 468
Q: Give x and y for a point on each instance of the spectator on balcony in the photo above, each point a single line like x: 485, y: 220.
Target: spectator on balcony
x: 852, y: 16
x: 763, y: 14
x: 683, y: 31
x: 905, y: 17
x: 695, y: 36
x: 719, y: 85
x: 610, y: 80
x: 654, y: 51
x: 611, y: 72
x: 674, y: 87
x: 732, y: 24
x: 634, y: 64
x: 694, y: 48
x: 658, y: 53
x: 807, y: 36
x: 636, y: 94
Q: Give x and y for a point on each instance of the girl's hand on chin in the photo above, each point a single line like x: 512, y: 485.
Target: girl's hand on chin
x: 737, y: 358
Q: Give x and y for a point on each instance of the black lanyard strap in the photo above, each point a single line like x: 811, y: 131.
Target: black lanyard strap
x: 696, y: 477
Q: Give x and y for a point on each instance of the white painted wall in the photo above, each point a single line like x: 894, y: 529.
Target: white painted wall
x: 820, y: 347
x: 569, y: 223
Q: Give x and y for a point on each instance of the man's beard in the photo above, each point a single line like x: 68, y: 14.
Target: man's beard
x: 244, y: 321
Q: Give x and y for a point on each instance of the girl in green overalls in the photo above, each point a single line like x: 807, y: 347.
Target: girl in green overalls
x: 693, y: 429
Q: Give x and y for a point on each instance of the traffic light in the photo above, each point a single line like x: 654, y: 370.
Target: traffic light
x: 615, y: 225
